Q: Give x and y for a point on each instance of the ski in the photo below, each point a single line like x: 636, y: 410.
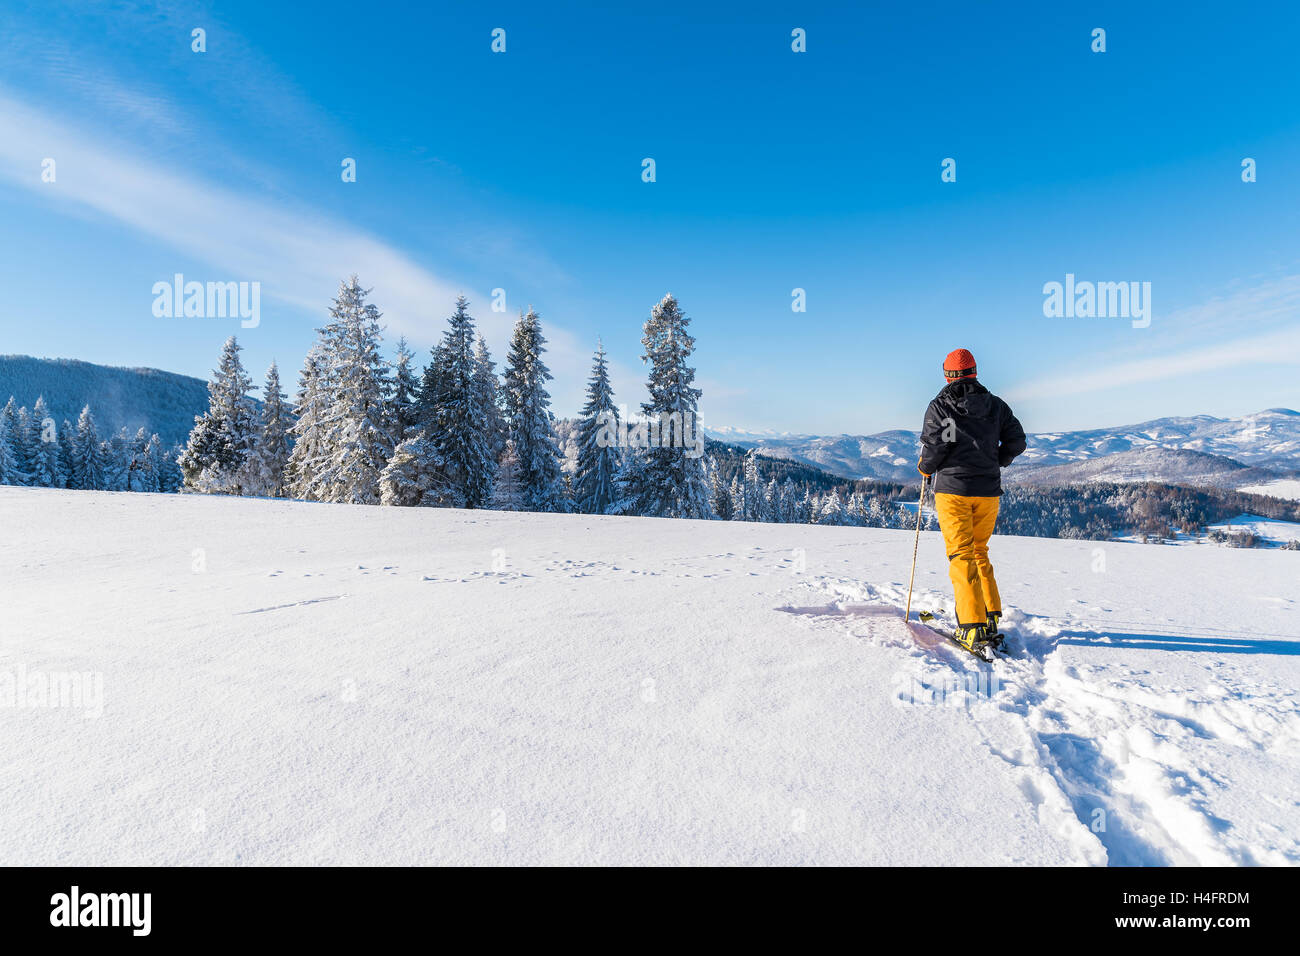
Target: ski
x: 998, y: 642
x: 983, y: 650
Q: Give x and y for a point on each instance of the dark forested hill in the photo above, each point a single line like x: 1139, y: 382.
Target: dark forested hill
x: 158, y: 401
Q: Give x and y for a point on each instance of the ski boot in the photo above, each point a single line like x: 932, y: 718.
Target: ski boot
x: 971, y: 637
x: 991, y: 631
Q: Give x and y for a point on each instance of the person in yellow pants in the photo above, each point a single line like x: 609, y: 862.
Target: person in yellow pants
x: 968, y: 437
x: 967, y: 524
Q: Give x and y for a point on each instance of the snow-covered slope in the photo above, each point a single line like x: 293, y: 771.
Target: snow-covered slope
x: 1288, y: 488
x: 286, y: 682
x: 1175, y: 466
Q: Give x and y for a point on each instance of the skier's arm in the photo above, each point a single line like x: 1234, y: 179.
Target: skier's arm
x: 1012, y: 440
x: 933, y: 448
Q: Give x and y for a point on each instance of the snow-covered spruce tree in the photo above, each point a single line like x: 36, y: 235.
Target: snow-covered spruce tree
x: 457, y: 415
x: 598, y: 452
x: 24, y: 449
x: 668, y: 481
x: 406, y: 389
x: 310, y: 409
x: 413, y: 476
x: 736, y: 493
x: 9, y: 473
x: 832, y: 509
x: 528, y: 412
x: 270, y: 459
x: 46, y: 470
x: 66, y: 453
x: 149, y: 470
x: 771, y: 496
x: 488, y: 400
x: 118, y: 452
x: 224, y: 435
x: 719, y: 494
x: 753, y: 487
x: 507, y: 493
x: 807, y: 506
x: 28, y: 444
x: 355, y: 442
x: 86, y: 455
x: 13, y: 455
x: 169, y: 473
x: 789, y: 502
x: 137, y: 477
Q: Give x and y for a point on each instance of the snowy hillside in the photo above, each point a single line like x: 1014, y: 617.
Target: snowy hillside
x: 286, y: 682
x: 1149, y: 463
x: 1269, y: 439
x: 131, y: 398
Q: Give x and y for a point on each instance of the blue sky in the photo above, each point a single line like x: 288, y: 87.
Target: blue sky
x: 775, y: 170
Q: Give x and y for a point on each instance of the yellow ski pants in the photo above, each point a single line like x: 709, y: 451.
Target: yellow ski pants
x: 967, y: 524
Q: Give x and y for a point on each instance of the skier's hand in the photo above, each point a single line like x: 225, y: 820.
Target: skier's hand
x: 921, y: 470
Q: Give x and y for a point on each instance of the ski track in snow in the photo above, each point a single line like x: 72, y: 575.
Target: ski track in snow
x: 1089, y: 749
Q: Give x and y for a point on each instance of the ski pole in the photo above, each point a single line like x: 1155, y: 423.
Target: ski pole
x: 920, y: 505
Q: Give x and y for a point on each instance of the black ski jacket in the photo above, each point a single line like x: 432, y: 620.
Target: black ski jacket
x: 968, y: 435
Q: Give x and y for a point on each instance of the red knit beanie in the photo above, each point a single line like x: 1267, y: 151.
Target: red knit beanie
x: 959, y: 364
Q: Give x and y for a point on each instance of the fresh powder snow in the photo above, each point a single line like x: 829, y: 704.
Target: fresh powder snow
x: 285, y: 682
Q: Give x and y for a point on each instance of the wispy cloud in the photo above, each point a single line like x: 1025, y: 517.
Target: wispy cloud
x: 1268, y: 310
x: 298, y: 256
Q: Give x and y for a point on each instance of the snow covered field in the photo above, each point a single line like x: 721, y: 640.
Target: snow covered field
x: 1269, y: 530
x: 286, y: 682
x: 1285, y: 488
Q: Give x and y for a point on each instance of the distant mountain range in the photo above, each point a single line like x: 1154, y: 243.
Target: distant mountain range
x: 1225, y: 453
x: 1200, y: 450
x: 130, y: 398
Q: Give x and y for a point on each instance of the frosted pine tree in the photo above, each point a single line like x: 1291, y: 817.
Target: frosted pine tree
x: 670, y: 481
x: 117, y: 462
x: 771, y: 500
x: 151, y: 465
x: 789, y: 502
x: 137, y: 466
x: 737, y: 495
x: 46, y: 469
x: 222, y: 437
x: 87, y: 455
x: 855, y: 512
x: 311, y: 405
x: 272, y: 448
x: 528, y: 410
x: 507, y: 493
x: 169, y: 473
x: 406, y: 389
x: 753, y: 487
x: 598, y: 453
x: 25, y: 445
x: 413, y: 476
x: 458, y: 414
x: 13, y: 438
x: 719, y: 494
x: 9, y: 473
x: 355, y: 442
x: 832, y: 509
x: 488, y: 400
x: 66, y: 453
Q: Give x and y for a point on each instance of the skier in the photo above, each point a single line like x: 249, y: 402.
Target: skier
x: 968, y: 436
